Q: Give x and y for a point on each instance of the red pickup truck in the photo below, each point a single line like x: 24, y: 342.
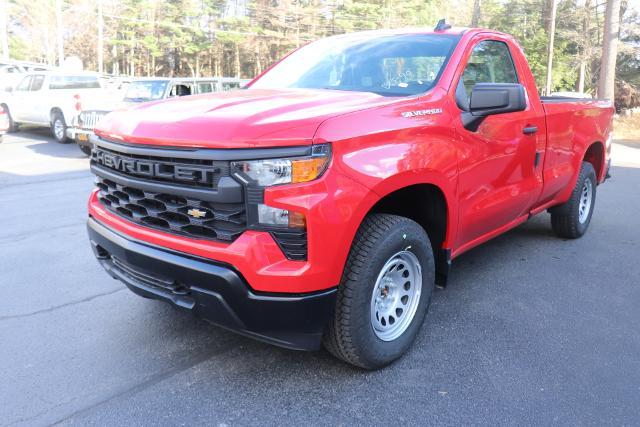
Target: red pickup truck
x: 323, y: 202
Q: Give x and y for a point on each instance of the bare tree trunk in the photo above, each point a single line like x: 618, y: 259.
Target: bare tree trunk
x: 237, y: 60
x: 115, y: 65
x: 298, y: 18
x: 258, y: 68
x: 100, y: 38
x: 475, y: 19
x: 551, y: 35
x: 132, y: 60
x: 4, y: 17
x: 586, y: 46
x: 59, y: 38
x: 581, y: 76
x: 606, y: 81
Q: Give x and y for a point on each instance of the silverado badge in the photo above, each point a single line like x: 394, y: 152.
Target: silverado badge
x: 196, y: 213
x: 429, y: 112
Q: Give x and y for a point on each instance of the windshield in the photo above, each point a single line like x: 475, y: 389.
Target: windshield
x: 143, y: 91
x: 396, y: 65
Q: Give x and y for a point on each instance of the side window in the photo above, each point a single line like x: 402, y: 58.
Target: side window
x: 230, y: 86
x: 490, y: 62
x: 36, y: 83
x: 23, y: 86
x: 180, y: 89
x: 205, y: 87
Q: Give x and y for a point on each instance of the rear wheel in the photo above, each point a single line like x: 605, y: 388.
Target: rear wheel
x: 59, y: 128
x: 571, y: 219
x: 384, y: 293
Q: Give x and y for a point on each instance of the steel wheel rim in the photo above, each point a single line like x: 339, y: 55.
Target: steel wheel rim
x: 584, y: 206
x: 396, y: 296
x: 58, y: 129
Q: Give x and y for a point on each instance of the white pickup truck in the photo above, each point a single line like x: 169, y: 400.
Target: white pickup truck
x: 50, y: 99
x: 144, y: 90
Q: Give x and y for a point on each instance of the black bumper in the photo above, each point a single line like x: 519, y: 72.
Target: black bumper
x: 212, y: 291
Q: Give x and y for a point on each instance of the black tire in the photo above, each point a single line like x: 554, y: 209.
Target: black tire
x: 350, y: 335
x: 86, y: 149
x: 61, y: 138
x: 566, y: 219
x: 13, y: 126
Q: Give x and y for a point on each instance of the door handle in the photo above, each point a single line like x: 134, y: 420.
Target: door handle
x: 529, y: 130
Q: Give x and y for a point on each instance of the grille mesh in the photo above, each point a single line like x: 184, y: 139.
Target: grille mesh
x: 176, y: 214
x: 89, y: 119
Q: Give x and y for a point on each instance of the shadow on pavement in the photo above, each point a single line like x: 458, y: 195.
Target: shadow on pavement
x: 40, y: 141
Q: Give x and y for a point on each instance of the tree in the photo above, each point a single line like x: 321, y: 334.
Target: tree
x: 475, y: 19
x: 59, y: 33
x: 606, y: 82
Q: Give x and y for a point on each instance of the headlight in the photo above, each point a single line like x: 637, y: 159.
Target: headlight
x: 268, y: 172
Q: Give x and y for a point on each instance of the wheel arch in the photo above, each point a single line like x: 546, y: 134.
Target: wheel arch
x: 595, y: 154
x: 52, y: 113
x: 426, y: 204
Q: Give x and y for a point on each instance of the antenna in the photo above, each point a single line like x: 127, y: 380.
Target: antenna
x: 442, y: 25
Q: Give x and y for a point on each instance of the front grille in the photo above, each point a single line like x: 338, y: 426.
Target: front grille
x: 171, y: 213
x: 89, y: 119
x: 183, y: 194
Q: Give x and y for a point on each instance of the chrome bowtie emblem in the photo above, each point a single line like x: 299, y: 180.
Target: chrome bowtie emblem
x: 196, y: 213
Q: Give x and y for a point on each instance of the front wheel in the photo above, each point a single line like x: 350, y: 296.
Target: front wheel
x: 59, y: 128
x: 384, y: 293
x: 571, y: 219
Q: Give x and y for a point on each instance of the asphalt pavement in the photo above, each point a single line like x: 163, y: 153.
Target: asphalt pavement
x: 532, y: 329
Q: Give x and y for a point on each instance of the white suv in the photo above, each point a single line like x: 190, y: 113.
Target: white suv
x: 49, y: 99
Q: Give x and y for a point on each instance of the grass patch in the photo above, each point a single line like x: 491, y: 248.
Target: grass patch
x: 627, y: 127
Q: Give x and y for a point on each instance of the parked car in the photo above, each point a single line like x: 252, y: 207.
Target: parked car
x: 324, y: 202
x: 50, y: 99
x: 145, y: 90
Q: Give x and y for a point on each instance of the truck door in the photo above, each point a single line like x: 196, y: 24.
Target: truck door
x: 19, y: 108
x: 499, y: 164
x: 38, y: 105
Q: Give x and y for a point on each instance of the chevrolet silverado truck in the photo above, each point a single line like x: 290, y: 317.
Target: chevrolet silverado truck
x: 323, y: 203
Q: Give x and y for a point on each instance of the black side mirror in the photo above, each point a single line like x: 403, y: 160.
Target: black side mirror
x: 493, y: 98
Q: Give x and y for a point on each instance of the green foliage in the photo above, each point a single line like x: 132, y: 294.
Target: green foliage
x: 243, y: 37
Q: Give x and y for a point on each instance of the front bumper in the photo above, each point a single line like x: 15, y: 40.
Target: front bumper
x: 213, y: 291
x: 81, y: 136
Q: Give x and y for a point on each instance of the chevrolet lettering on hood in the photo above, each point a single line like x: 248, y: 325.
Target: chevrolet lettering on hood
x: 157, y: 169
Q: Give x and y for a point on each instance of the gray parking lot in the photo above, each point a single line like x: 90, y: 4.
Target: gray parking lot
x: 531, y: 329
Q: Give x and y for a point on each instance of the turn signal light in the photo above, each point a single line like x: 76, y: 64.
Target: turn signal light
x: 304, y: 170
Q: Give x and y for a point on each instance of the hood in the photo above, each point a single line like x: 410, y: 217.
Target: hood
x: 236, y: 119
